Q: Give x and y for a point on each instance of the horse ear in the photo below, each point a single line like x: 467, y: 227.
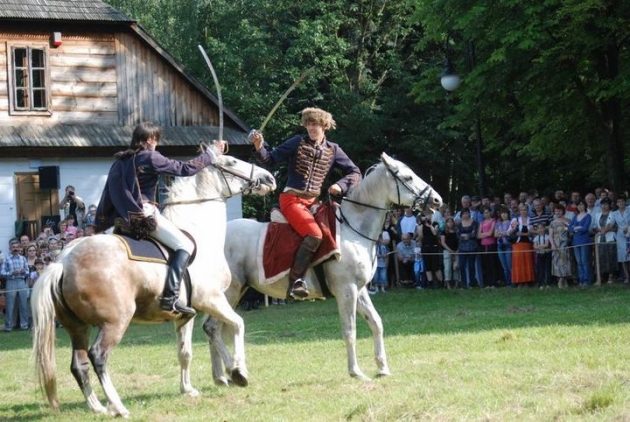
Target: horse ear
x: 387, y: 160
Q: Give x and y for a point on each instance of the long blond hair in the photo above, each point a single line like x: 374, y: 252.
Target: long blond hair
x: 319, y: 116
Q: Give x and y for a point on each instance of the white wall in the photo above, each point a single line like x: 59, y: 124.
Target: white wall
x: 87, y: 175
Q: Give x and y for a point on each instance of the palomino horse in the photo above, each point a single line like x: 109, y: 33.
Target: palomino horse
x: 94, y: 284
x: 362, y: 214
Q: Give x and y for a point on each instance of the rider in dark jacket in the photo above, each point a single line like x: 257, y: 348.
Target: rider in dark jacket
x: 128, y: 199
x: 310, y: 158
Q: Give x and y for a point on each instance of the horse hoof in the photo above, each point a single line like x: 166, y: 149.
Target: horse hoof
x: 113, y: 411
x: 192, y: 392
x: 360, y: 376
x: 383, y: 373
x: 221, y: 382
x: 239, y: 378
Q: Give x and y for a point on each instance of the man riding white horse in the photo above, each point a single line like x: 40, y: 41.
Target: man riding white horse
x: 310, y: 159
x: 128, y: 201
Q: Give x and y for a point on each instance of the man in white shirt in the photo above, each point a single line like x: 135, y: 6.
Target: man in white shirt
x: 408, y: 222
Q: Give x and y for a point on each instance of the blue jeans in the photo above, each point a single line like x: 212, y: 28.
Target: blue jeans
x: 583, y: 258
x: 467, y: 268
x: 11, y: 298
x: 505, y: 257
x: 478, y: 270
x: 380, y: 277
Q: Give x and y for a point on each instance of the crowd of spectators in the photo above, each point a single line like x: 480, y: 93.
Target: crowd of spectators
x: 28, y: 257
x: 528, y: 240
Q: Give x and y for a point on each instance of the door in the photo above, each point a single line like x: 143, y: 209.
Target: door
x: 34, y: 203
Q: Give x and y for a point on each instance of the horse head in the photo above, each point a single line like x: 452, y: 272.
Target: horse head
x: 409, y: 189
x: 238, y: 176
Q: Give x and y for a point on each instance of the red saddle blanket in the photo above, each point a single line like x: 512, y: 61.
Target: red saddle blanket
x: 279, y: 243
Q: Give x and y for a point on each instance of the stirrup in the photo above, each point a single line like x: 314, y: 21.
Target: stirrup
x: 177, y: 307
x: 299, y: 289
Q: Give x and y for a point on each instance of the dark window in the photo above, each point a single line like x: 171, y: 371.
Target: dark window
x: 29, y: 76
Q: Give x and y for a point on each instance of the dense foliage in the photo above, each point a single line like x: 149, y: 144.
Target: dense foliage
x: 547, y: 82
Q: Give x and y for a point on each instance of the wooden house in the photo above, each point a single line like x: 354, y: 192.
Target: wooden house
x: 76, y: 76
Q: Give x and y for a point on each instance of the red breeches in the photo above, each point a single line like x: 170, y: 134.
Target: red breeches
x: 298, y: 214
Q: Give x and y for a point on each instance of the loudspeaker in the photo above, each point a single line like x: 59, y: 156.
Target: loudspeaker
x: 49, y: 177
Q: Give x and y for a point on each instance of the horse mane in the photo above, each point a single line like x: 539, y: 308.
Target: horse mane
x: 364, y: 191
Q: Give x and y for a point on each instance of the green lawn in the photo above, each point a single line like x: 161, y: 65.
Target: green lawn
x: 493, y: 354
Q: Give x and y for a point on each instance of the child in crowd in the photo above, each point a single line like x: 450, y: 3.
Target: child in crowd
x: 542, y: 248
x: 418, y: 268
x: 379, y: 281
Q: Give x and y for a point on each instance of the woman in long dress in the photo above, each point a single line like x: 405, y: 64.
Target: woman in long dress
x: 559, y: 238
x: 522, y: 250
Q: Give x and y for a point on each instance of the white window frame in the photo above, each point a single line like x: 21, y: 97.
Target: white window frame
x: 31, y: 111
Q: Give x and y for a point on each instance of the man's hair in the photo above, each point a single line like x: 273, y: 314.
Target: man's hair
x: 142, y: 133
x: 319, y: 116
x: 139, y: 138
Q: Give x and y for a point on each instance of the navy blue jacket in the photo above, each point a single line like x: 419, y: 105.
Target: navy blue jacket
x: 133, y: 179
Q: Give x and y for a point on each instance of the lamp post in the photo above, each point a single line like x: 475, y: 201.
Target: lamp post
x: 450, y: 81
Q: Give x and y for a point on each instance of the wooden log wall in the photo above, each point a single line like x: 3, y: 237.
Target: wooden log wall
x: 108, y: 78
x: 151, y: 89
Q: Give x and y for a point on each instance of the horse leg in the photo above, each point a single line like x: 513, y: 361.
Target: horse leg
x: 221, y: 309
x: 80, y: 365
x: 219, y: 353
x: 184, y: 329
x: 108, y: 337
x: 368, y: 312
x: 347, y: 306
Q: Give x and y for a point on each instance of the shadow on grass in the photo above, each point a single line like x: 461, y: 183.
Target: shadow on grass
x: 404, y: 312
x: 41, y: 410
x: 38, y: 411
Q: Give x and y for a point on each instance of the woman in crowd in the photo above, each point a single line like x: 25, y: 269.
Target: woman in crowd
x: 504, y: 244
x: 488, y: 247
x: 450, y: 244
x: 427, y: 235
x: 522, y: 251
x: 622, y: 218
x: 559, y: 239
x: 580, y: 229
x: 605, y: 230
x: 392, y: 228
x: 31, y: 255
x: 468, y: 248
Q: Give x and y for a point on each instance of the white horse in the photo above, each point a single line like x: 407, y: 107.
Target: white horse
x: 362, y: 214
x: 112, y: 291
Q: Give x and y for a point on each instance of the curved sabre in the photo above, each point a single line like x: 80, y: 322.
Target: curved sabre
x: 216, y: 83
x: 284, y: 96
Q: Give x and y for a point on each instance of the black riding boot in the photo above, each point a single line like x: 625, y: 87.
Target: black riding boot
x: 170, y: 297
x: 301, y: 262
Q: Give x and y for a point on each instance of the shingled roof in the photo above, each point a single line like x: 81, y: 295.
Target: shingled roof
x: 64, y: 135
x: 61, y: 10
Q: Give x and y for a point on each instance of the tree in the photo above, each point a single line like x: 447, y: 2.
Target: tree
x: 547, y: 84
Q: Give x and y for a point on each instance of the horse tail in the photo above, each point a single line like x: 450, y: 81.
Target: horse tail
x: 44, y: 295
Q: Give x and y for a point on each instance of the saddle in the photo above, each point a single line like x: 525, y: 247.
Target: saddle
x: 278, y: 243
x: 149, y: 249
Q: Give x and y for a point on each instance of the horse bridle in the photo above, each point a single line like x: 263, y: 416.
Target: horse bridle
x: 417, y: 197
x: 252, y: 184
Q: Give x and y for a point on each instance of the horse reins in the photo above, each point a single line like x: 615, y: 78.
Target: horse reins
x: 252, y: 185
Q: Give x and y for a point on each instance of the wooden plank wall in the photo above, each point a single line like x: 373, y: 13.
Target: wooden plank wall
x: 82, y: 73
x: 151, y: 89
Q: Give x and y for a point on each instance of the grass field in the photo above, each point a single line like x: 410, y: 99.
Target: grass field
x: 504, y: 354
